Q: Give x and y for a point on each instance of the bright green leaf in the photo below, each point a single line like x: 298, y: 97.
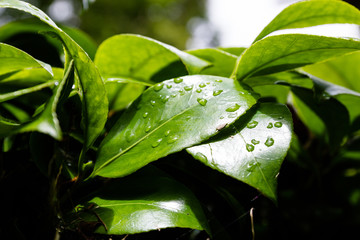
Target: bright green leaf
x: 144, y: 202
x: 237, y: 51
x: 312, y: 13
x: 163, y: 121
x: 285, y: 52
x: 253, y: 149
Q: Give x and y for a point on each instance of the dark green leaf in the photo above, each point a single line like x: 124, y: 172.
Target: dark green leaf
x: 7, y: 126
x: 144, y: 202
x: 164, y: 119
x: 312, y: 13
x: 285, y: 52
x: 253, y: 149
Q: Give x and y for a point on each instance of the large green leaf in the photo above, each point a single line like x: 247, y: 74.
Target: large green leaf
x: 13, y: 59
x: 95, y: 104
x: 253, y: 149
x: 223, y: 63
x: 285, y: 52
x: 143, y: 202
x: 168, y: 117
x: 312, y: 13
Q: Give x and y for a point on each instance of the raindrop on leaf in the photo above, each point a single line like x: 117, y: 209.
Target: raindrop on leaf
x: 199, y: 90
x: 188, y: 88
x: 172, y: 139
x: 178, y: 80
x: 278, y: 124
x: 252, y: 124
x: 270, y: 125
x: 254, y: 141
x: 158, y: 87
x: 269, y: 142
x: 217, y: 92
x: 233, y: 108
x: 201, y: 157
x: 202, y: 101
x: 145, y: 114
x: 156, y: 143
x: 250, y: 147
x: 202, y: 85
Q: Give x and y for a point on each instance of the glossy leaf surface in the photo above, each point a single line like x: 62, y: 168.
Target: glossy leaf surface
x: 284, y: 52
x: 168, y: 117
x: 312, y: 13
x: 145, y: 202
x: 253, y: 149
x: 95, y: 104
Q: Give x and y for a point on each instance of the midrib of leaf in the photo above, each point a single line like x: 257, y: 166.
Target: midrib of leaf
x: 142, y: 138
x: 257, y: 164
x: 120, y: 79
x: 283, y: 56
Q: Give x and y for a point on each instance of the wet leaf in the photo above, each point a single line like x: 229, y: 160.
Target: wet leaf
x: 168, y: 117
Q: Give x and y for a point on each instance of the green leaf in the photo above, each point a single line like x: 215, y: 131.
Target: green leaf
x: 290, y: 78
x: 223, y: 63
x: 330, y: 89
x: 312, y: 13
x: 253, y: 149
x: 325, y: 117
x: 13, y: 59
x: 237, y: 51
x: 7, y: 126
x: 95, y: 104
x: 285, y: 52
x: 163, y: 121
x: 144, y: 202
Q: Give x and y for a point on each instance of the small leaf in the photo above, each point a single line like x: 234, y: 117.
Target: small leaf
x: 223, y: 63
x: 144, y: 202
x: 163, y: 121
x: 7, y: 126
x: 13, y: 59
x: 312, y: 13
x: 285, y: 52
x: 253, y: 149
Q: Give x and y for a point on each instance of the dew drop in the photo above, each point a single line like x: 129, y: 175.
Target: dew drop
x: 129, y: 136
x: 252, y: 124
x: 158, y: 87
x: 251, y: 166
x: 278, y: 124
x: 254, y: 141
x: 188, y: 88
x: 208, y: 83
x: 181, y: 92
x: 156, y: 143
x: 172, y: 139
x: 152, y: 102
x: 233, y: 108
x: 270, y: 125
x: 217, y: 92
x: 165, y: 99
x: 232, y: 115
x: 269, y: 142
x: 202, y: 101
x: 145, y: 114
x: 201, y: 157
x: 169, y: 86
x: 199, y: 90
x: 218, y: 80
x: 221, y: 117
x: 250, y: 147
x: 178, y: 80
x: 167, y: 133
x: 148, y: 128
x: 202, y: 85
x: 173, y: 95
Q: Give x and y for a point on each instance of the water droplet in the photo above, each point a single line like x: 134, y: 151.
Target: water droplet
x: 254, y: 141
x: 188, y: 88
x: 281, y: 117
x: 251, y: 166
x: 252, y: 124
x: 148, y: 128
x: 201, y: 157
x: 181, y: 92
x: 217, y: 92
x: 158, y: 87
x: 221, y: 117
x: 202, y: 101
x: 165, y: 99
x: 208, y: 83
x: 202, y: 85
x: 169, y: 86
x: 172, y: 139
x: 218, y: 80
x: 56, y: 83
x: 232, y: 115
x: 199, y: 90
x: 152, y: 102
x: 250, y: 147
x: 167, y: 133
x: 178, y: 80
x: 156, y: 143
x: 187, y: 117
x: 278, y: 124
x: 173, y: 95
x: 269, y: 142
x: 233, y: 108
x: 145, y: 114
x: 270, y: 125
x: 129, y: 135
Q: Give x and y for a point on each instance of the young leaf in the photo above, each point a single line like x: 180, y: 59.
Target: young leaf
x: 169, y: 117
x: 253, y: 149
x: 223, y: 63
x: 285, y: 52
x: 144, y: 202
x: 13, y: 59
x: 95, y: 104
x: 312, y: 13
